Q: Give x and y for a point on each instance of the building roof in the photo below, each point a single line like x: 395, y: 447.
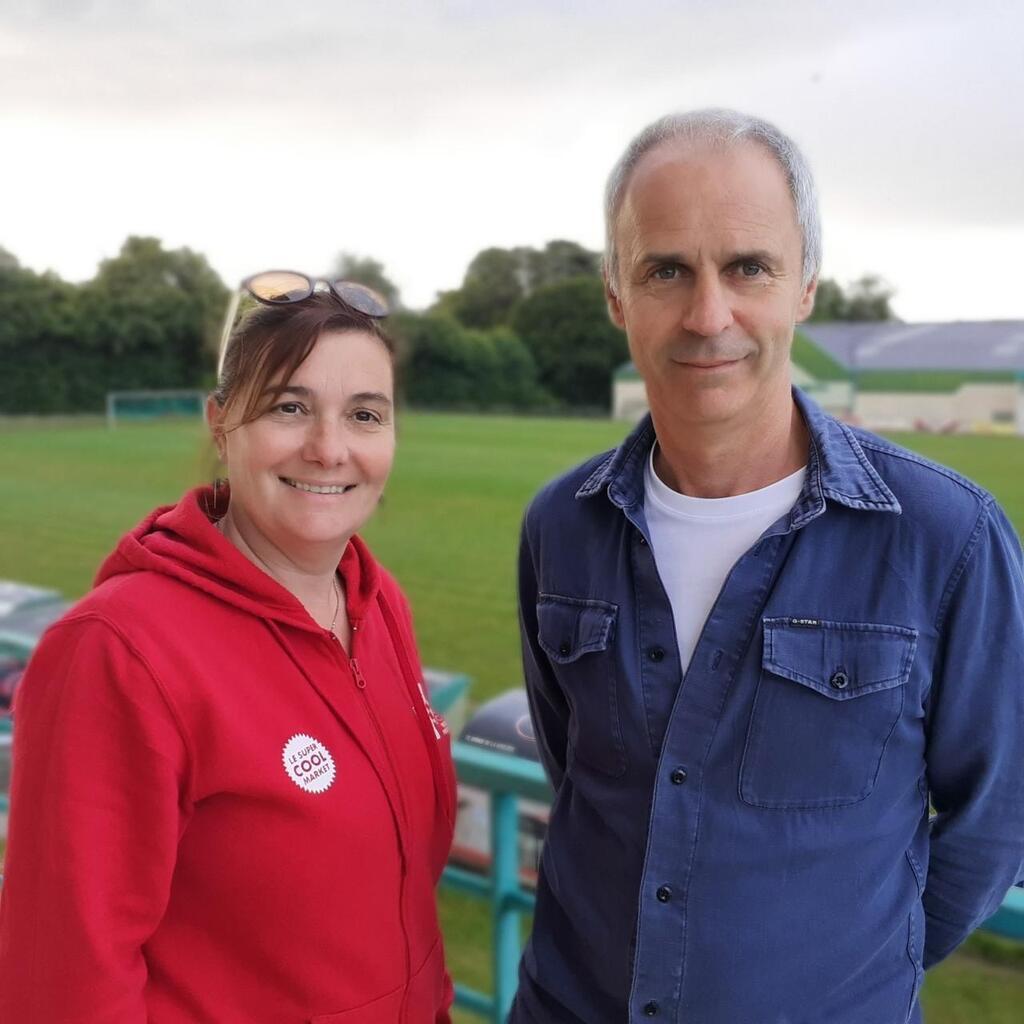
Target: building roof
x: 993, y: 346
x: 986, y: 349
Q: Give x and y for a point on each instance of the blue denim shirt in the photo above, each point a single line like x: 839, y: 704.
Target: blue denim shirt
x: 749, y: 843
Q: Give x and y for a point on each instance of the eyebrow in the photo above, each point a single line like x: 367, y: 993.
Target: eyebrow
x: 371, y: 396
x: 761, y: 255
x: 300, y: 392
x: 287, y: 389
x: 661, y: 257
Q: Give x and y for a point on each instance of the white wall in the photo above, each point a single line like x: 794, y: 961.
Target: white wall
x: 629, y: 397
x: 974, y: 408
x: 629, y: 400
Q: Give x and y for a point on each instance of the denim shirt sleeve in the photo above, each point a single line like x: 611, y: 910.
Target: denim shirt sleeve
x: 976, y: 737
x: 548, y: 705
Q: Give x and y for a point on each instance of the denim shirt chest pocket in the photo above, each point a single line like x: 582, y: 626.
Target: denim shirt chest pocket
x: 828, y: 699
x: 577, y: 635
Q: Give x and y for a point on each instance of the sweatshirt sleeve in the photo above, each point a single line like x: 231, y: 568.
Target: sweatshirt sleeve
x: 98, y: 804
x: 976, y: 739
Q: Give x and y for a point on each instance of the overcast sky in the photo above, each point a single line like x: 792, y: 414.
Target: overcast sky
x: 276, y: 134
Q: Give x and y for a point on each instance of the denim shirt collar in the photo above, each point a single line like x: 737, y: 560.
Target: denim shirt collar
x: 837, y: 469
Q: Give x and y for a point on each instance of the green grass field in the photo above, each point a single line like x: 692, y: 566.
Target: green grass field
x: 448, y: 526
x: 448, y: 529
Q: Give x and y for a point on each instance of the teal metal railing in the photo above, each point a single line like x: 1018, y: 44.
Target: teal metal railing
x: 507, y: 779
x: 1008, y: 920
x: 5, y: 764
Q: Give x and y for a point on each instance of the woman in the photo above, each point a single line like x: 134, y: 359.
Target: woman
x: 231, y: 800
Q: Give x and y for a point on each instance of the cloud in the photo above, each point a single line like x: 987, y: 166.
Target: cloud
x: 180, y: 54
x: 420, y: 132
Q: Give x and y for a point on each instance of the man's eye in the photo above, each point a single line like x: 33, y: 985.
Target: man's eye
x: 366, y: 416
x: 669, y: 273
x: 751, y: 269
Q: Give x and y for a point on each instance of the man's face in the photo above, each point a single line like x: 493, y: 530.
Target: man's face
x: 709, y: 281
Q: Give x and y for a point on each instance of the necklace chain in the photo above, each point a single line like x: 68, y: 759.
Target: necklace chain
x: 218, y: 525
x: 337, y: 603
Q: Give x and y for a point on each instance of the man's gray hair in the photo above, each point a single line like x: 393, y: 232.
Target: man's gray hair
x: 723, y: 127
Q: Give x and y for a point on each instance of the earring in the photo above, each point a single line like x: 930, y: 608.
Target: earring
x: 218, y: 483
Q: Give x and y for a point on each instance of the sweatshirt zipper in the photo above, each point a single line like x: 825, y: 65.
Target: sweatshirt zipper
x: 360, y: 681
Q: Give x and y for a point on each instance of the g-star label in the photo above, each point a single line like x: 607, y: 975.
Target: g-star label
x: 805, y: 623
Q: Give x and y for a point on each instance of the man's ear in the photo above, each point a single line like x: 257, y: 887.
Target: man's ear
x: 612, y: 299
x: 806, y: 305
x: 215, y: 423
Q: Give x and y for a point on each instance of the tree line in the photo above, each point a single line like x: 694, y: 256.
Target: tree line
x: 527, y: 329
x: 143, y: 321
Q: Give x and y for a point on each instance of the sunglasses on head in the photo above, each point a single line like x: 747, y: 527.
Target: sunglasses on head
x: 282, y: 287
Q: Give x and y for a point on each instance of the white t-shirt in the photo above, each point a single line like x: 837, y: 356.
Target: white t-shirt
x: 697, y: 541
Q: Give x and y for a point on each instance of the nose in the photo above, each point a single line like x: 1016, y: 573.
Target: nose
x: 327, y: 442
x: 708, y: 311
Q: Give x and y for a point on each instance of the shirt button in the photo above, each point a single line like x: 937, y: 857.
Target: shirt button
x: 656, y: 653
x: 840, y: 680
x: 651, y: 1009
x: 564, y: 648
x: 664, y: 894
x: 678, y: 776
x: 643, y: 540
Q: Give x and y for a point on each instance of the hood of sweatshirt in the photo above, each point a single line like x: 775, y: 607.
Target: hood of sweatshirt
x: 182, y: 541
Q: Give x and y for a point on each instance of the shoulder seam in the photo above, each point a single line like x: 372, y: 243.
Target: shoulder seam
x: 966, y: 553
x: 950, y: 474
x: 165, y: 697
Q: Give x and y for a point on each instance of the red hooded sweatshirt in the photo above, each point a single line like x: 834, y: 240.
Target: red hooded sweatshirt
x: 217, y: 815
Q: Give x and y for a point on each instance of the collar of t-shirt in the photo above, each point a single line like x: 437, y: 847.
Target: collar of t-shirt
x: 696, y: 542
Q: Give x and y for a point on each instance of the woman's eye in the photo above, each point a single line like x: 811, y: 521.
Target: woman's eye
x: 288, y: 408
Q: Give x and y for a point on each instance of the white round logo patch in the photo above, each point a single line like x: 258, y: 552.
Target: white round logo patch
x: 308, y: 763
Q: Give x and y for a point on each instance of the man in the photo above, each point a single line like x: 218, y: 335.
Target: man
x: 757, y: 642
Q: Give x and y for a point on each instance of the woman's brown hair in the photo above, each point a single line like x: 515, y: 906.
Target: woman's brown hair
x: 271, y: 342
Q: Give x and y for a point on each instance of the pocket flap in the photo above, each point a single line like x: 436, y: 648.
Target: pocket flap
x: 839, y: 660
x: 570, y: 626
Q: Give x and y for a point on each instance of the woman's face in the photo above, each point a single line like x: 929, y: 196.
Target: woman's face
x: 310, y: 471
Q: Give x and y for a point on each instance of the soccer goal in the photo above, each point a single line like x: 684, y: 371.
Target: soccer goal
x: 151, y: 405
